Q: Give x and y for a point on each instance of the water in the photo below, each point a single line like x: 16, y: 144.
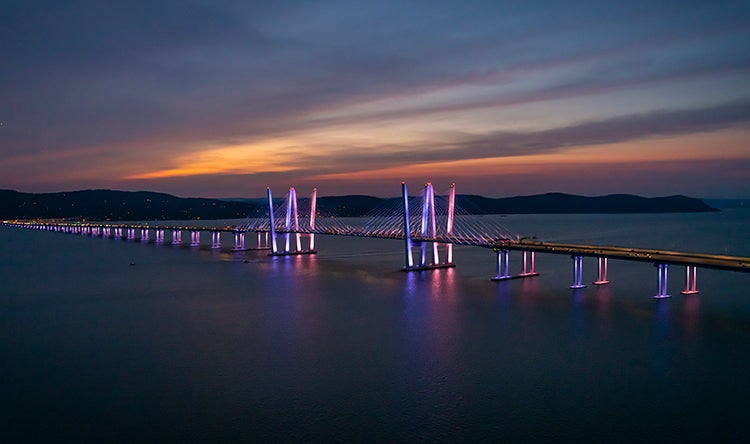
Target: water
x: 200, y: 345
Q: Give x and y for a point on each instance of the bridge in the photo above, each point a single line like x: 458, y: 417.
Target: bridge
x: 425, y: 223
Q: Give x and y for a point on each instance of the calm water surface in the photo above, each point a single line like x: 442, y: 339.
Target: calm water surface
x: 200, y: 345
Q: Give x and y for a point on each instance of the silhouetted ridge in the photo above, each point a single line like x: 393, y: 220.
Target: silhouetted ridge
x: 116, y: 205
x: 146, y: 205
x: 561, y: 203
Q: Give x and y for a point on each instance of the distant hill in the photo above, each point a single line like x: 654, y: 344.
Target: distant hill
x: 145, y: 205
x: 561, y: 203
x: 116, y: 205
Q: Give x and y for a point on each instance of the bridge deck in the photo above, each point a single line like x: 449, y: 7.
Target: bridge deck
x: 704, y: 260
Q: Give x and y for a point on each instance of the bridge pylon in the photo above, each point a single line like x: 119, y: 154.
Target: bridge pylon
x: 428, y: 231
x: 291, y: 226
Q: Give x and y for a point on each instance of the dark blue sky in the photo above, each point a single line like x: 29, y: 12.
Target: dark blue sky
x: 224, y: 98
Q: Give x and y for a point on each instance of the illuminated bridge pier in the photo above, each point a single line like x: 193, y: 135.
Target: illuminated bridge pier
x: 215, y: 239
x: 691, y: 275
x: 577, y: 273
x: 239, y: 241
x: 527, y: 266
x: 601, y: 277
x: 661, y: 291
x: 427, y: 240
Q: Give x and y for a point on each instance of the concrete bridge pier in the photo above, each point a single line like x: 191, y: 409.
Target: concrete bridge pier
x: 691, y: 274
x: 577, y: 272
x: 216, y: 239
x: 262, y: 240
x: 529, y: 259
x: 144, y: 234
x: 131, y: 233
x: 502, y: 266
x: 239, y: 241
x: 662, y: 282
x: 195, y: 238
x: 503, y: 260
x: 159, y: 235
x: 176, y: 237
x: 601, y: 277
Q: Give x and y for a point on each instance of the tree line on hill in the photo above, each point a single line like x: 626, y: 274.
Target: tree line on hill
x: 102, y: 205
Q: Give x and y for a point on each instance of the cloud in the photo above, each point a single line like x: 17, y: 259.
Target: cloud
x: 96, y: 74
x: 663, y: 123
x: 136, y: 85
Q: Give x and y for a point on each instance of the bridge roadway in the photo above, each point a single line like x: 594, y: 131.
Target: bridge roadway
x: 703, y: 260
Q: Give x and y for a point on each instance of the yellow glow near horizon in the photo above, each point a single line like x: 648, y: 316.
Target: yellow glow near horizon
x: 271, y: 156
x: 320, y: 148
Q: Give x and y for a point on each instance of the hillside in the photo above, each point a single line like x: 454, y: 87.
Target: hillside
x: 116, y: 205
x: 561, y: 203
x: 145, y: 205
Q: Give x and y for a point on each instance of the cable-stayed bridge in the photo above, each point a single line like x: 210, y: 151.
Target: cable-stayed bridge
x: 427, y: 223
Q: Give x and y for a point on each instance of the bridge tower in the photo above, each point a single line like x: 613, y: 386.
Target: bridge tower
x: 428, y: 231
x: 291, y: 226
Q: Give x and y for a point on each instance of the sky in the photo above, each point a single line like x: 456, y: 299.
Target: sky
x: 223, y: 98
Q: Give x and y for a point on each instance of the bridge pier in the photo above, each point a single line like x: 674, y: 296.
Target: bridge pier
x: 215, y: 239
x: 502, y: 266
x: 239, y: 241
x: 528, y: 271
x: 601, y: 277
x: 131, y: 233
x: 662, y: 282
x: 577, y: 272
x: 691, y: 274
x: 527, y: 267
x: 195, y: 238
x: 159, y: 236
x: 262, y: 241
x: 176, y: 237
x: 144, y: 234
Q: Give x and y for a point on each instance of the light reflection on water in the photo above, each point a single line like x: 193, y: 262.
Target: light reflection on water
x: 204, y: 344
